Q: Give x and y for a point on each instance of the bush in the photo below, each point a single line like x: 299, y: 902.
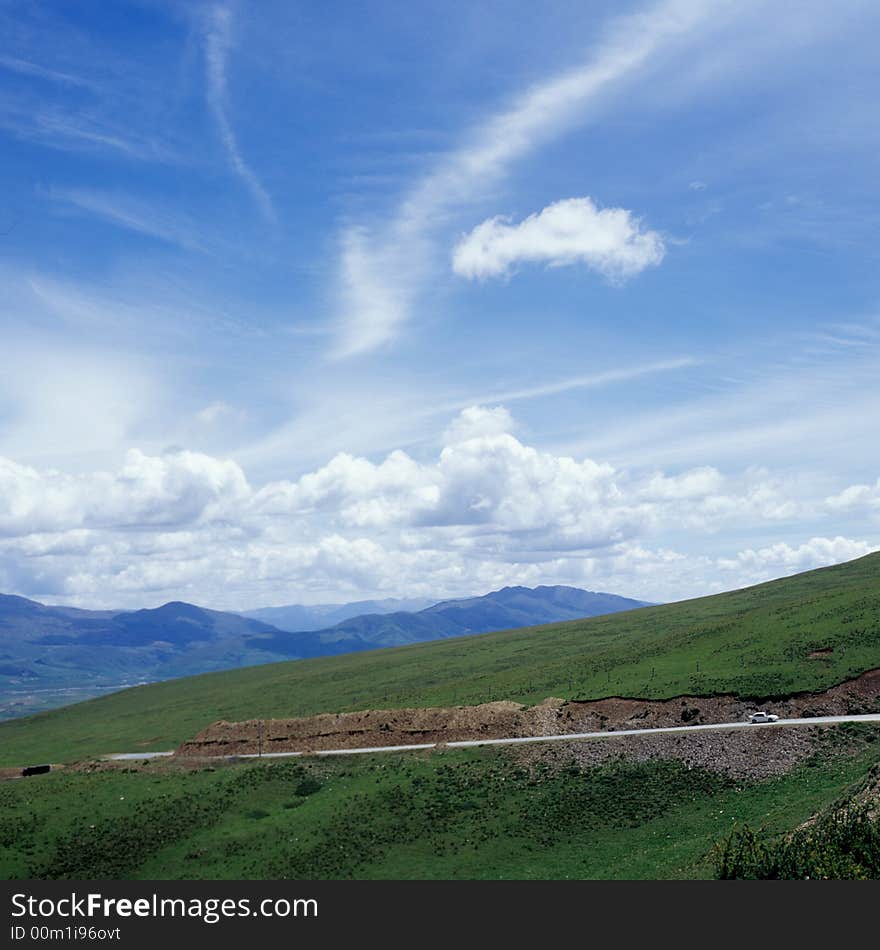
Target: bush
x: 844, y: 844
x: 308, y: 786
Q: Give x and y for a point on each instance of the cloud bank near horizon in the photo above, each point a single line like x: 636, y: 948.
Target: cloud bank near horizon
x: 488, y: 510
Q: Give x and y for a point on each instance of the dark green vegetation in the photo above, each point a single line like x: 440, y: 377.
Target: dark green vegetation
x: 843, y: 843
x: 754, y: 642
x: 48, y: 654
x: 474, y: 814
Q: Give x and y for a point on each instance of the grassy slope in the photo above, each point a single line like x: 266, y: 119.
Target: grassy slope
x: 469, y: 814
x: 752, y: 642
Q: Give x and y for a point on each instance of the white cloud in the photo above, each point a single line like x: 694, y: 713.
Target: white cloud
x: 147, y: 492
x: 778, y: 559
x: 610, y: 241
x: 376, y: 293
x: 697, y: 483
x: 864, y: 498
x: 475, y: 422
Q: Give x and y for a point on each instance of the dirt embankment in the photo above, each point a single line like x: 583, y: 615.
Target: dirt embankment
x: 387, y: 727
x: 372, y: 727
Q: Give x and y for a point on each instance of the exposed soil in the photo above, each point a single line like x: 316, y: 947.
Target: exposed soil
x: 373, y: 727
x: 388, y: 727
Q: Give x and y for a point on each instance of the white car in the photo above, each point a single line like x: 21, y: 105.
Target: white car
x: 763, y: 717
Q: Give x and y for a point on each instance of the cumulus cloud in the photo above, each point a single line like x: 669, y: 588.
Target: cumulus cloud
x: 485, y: 511
x: 609, y: 241
x: 477, y: 422
x: 865, y: 498
x: 781, y: 558
x: 484, y: 480
x: 175, y: 489
x: 694, y: 484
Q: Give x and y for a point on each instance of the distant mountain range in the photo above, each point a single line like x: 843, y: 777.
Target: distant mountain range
x: 298, y: 618
x: 500, y: 610
x: 50, y: 656
x: 55, y: 655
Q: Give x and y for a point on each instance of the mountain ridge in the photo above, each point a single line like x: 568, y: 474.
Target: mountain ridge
x: 505, y: 609
x: 296, y: 618
x: 49, y: 651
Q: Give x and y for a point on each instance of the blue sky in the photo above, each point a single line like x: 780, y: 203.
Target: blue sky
x: 308, y: 302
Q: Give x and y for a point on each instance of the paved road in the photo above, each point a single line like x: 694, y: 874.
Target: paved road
x: 570, y: 737
x: 131, y: 756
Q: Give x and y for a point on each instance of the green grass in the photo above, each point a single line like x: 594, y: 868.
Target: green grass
x: 753, y: 642
x: 466, y: 814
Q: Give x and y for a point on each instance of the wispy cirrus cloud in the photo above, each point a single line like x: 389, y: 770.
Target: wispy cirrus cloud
x: 332, y: 416
x: 608, y: 240
x: 78, y: 131
x: 810, y: 403
x: 590, y: 381
x: 65, y: 89
x: 384, y: 268
x: 218, y: 42
x: 134, y: 215
x: 27, y: 68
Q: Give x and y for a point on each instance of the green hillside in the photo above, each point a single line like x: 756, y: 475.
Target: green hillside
x: 753, y: 642
x: 454, y: 814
